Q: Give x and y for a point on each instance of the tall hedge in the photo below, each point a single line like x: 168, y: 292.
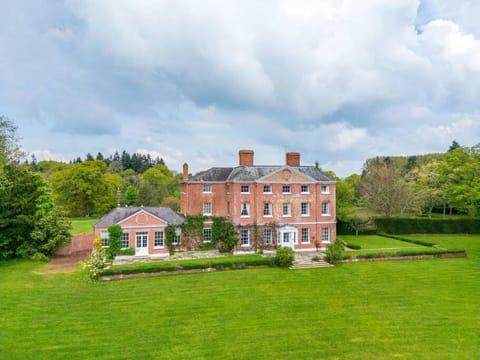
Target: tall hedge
x: 403, y: 225
x: 427, y: 226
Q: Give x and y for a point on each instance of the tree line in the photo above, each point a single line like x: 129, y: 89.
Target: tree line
x: 91, y: 187
x: 446, y: 183
x: 37, y: 198
x: 117, y: 163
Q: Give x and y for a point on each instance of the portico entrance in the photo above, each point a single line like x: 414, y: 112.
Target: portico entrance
x: 287, y: 236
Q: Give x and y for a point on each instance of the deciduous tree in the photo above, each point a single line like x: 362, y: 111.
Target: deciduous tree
x: 383, y: 189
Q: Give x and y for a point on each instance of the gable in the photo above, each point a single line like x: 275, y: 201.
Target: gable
x: 142, y: 218
x: 286, y: 174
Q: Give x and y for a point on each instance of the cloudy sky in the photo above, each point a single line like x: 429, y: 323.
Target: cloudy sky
x: 195, y: 81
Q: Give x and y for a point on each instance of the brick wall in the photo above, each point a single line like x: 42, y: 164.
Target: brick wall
x: 76, y: 244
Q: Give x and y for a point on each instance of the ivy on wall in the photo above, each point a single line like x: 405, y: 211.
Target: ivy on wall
x: 224, y: 236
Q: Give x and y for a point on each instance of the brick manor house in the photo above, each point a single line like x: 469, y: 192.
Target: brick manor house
x: 283, y: 205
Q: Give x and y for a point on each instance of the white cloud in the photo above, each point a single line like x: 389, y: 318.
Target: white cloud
x: 339, y: 81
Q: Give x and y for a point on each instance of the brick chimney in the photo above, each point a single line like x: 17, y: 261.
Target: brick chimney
x: 293, y: 159
x: 185, y: 172
x: 245, y: 157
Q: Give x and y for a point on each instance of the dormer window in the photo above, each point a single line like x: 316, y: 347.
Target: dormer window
x: 245, y: 189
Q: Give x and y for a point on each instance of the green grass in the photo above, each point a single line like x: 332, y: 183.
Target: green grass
x: 83, y: 225
x: 377, y: 242
x: 426, y: 309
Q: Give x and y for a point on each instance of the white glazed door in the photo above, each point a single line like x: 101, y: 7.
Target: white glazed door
x: 141, y: 243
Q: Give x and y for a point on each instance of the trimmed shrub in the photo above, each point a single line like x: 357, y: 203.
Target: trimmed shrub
x: 409, y: 253
x: 284, y: 257
x: 353, y: 246
x: 233, y: 262
x: 413, y: 241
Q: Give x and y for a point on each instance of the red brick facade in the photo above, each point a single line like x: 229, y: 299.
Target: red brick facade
x: 143, y: 229
x: 297, y: 203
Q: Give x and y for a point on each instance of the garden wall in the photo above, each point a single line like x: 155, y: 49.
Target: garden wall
x: 76, y: 244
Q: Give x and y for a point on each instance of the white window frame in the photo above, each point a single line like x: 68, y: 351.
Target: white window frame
x: 267, y: 236
x: 125, y: 239
x: 305, y: 235
x: 286, y: 189
x: 267, y: 189
x: 325, y: 208
x: 325, y: 235
x: 207, y: 208
x: 307, y: 191
x: 245, y: 210
x: 104, y: 236
x: 158, y: 236
x: 325, y: 189
x: 244, y: 237
x: 207, y: 188
x: 288, y: 207
x: 305, y: 209
x: 267, y: 209
x: 143, y: 236
x: 207, y: 234
x: 244, y: 189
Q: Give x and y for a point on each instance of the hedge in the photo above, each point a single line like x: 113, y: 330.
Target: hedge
x: 413, y: 241
x: 430, y: 251
x: 343, y: 228
x: 353, y: 246
x: 397, y: 225
x: 158, y: 266
x: 410, y: 225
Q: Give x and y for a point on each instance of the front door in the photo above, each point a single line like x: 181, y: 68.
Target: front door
x: 141, y: 243
x: 287, y: 240
x: 287, y: 236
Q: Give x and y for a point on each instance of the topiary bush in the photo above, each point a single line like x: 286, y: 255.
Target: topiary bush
x: 284, y: 257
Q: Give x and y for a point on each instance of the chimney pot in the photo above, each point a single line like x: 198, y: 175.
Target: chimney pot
x: 246, y: 157
x: 293, y: 158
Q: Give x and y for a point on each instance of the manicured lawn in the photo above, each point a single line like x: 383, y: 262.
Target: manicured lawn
x: 423, y: 309
x: 83, y: 225
x: 377, y: 242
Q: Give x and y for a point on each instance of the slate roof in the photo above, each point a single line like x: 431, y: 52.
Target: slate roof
x: 120, y: 213
x: 253, y: 173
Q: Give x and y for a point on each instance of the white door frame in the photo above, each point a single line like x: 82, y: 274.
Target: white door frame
x: 287, y: 236
x: 141, y: 243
